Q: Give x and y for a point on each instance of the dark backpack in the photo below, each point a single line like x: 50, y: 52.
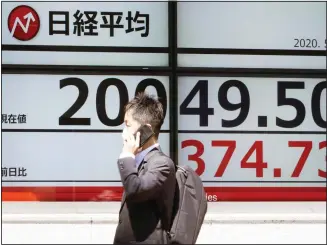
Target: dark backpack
x: 190, y: 207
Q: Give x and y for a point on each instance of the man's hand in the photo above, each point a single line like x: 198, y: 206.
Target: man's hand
x: 131, y: 144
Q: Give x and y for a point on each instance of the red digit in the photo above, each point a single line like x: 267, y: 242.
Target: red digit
x: 259, y: 164
x: 321, y: 173
x: 304, y: 156
x: 228, y: 155
x: 196, y: 156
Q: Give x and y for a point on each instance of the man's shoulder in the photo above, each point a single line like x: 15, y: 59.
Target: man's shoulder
x: 161, y: 158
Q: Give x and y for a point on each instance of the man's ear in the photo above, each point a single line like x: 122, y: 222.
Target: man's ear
x: 149, y: 125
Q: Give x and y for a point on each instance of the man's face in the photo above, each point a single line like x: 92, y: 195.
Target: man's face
x: 131, y: 125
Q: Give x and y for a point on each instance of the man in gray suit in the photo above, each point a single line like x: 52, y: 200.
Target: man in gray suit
x: 148, y: 178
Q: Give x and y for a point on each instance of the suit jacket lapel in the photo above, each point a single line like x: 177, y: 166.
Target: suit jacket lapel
x: 140, y: 168
x: 151, y: 153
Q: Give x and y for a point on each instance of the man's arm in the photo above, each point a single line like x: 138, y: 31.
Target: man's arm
x: 141, y: 188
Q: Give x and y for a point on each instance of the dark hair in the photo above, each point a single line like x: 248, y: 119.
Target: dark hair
x: 145, y: 109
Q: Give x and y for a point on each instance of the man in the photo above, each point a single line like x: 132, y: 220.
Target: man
x: 148, y: 178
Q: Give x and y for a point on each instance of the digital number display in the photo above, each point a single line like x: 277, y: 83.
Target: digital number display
x: 250, y: 131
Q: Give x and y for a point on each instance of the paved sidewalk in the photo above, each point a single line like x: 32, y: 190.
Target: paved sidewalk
x: 225, y: 223
x: 218, y: 212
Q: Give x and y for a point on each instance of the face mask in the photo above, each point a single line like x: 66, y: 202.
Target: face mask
x: 125, y: 132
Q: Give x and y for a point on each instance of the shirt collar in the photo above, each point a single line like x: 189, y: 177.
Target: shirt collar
x: 140, y: 156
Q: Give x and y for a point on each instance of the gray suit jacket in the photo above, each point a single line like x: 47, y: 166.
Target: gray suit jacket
x: 147, y: 201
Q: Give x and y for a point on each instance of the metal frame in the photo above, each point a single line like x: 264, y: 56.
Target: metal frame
x: 173, y: 88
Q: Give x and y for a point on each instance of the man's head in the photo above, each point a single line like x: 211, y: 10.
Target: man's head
x: 144, y: 109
